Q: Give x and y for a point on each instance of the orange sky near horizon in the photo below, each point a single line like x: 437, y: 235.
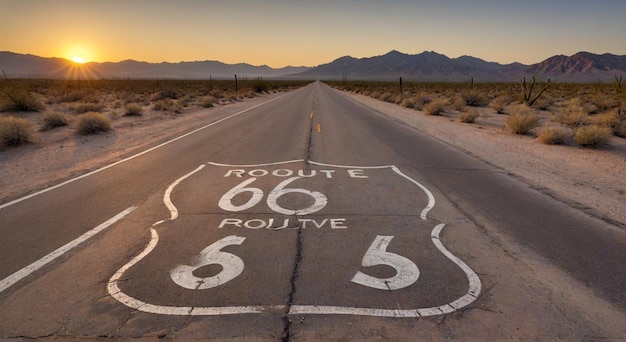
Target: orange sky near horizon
x: 280, y: 33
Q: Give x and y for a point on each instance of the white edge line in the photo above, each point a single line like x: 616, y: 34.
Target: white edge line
x: 167, y: 199
x: 26, y: 271
x: 473, y: 291
x: 431, y: 198
x: 133, y: 156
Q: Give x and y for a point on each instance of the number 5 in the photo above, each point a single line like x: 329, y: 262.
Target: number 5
x: 407, y: 272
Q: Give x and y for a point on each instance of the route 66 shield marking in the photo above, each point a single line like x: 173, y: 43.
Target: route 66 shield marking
x: 229, y: 244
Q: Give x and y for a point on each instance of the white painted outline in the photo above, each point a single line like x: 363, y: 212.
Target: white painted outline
x: 8, y: 204
x: 474, y: 284
x: 26, y: 271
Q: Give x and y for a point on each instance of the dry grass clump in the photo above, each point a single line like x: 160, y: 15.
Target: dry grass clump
x: 554, y: 136
x: 499, y: 104
x: 15, y: 132
x: 436, y: 107
x: 53, y: 120
x: 133, y: 109
x: 469, y: 117
x: 522, y: 119
x: 573, y: 114
x: 207, y: 101
x: 474, y: 98
x: 14, y: 99
x: 592, y: 136
x: 168, y: 105
x: 88, y: 107
x: 92, y: 123
x: 165, y: 94
x: 615, y: 120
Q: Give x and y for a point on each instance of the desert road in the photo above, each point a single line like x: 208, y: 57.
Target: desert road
x: 306, y: 216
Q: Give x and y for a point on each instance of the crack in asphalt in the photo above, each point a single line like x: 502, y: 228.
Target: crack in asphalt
x: 294, y: 275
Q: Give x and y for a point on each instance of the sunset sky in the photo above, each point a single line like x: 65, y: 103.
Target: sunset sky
x: 280, y: 32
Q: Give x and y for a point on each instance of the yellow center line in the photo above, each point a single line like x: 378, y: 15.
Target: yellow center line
x: 311, y: 115
x: 319, y: 128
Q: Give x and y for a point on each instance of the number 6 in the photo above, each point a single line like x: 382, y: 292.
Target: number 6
x: 232, y: 266
x: 407, y: 272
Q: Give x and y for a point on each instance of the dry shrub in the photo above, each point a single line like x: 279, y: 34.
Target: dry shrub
x: 386, y: 96
x: 592, y: 136
x: 133, y: 109
x: 436, y: 107
x: 469, y: 116
x: 53, y: 120
x: 554, y: 136
x: 165, y: 94
x: 474, y: 98
x: 500, y: 103
x: 458, y: 103
x: 88, y: 107
x: 19, y: 100
x: 409, y: 102
x: 92, y: 123
x: 208, y: 101
x: 573, y: 114
x: 544, y: 103
x: 15, y: 131
x: 169, y: 105
x: 522, y: 119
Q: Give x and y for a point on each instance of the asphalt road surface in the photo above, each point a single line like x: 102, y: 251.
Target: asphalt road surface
x: 307, y: 205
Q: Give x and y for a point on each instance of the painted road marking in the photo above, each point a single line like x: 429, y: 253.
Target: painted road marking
x: 26, y: 271
x: 375, y: 255
x: 319, y: 128
x: 2, y: 206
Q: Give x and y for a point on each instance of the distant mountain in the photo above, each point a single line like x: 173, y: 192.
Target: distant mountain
x: 20, y: 66
x: 583, y: 66
x: 427, y: 66
x: 431, y: 66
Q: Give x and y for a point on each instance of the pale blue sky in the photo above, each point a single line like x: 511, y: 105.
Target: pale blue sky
x: 280, y: 33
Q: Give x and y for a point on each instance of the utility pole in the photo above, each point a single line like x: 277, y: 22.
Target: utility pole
x: 401, y: 86
x: 236, y: 85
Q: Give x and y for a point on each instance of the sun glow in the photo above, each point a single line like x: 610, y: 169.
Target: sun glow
x: 78, y: 55
x: 78, y: 59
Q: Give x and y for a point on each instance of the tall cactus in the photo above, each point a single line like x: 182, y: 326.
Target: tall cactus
x: 527, y: 91
x: 618, y: 84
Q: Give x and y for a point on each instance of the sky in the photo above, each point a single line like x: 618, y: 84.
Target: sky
x: 279, y: 33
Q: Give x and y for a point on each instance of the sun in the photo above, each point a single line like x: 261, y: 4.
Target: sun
x: 78, y: 54
x: 78, y: 59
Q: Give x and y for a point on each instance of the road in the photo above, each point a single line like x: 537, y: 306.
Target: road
x: 308, y: 207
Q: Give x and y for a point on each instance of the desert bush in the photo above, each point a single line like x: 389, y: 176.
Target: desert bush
x: 92, y: 123
x: 554, y: 136
x: 573, y: 114
x: 522, y: 119
x: 133, y: 109
x: 15, y: 99
x: 88, y: 107
x: 608, y: 119
x: 592, y: 136
x: 15, y: 131
x: 500, y: 103
x: 474, y: 98
x: 208, y: 101
x: 168, y: 93
x: 458, y: 103
x: 544, y: 103
x: 260, y: 86
x: 409, y: 102
x: 436, y: 107
x: 469, y: 117
x: 53, y: 120
x: 386, y: 96
x: 169, y: 105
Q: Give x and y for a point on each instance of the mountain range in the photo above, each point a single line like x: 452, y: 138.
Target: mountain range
x: 425, y: 66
